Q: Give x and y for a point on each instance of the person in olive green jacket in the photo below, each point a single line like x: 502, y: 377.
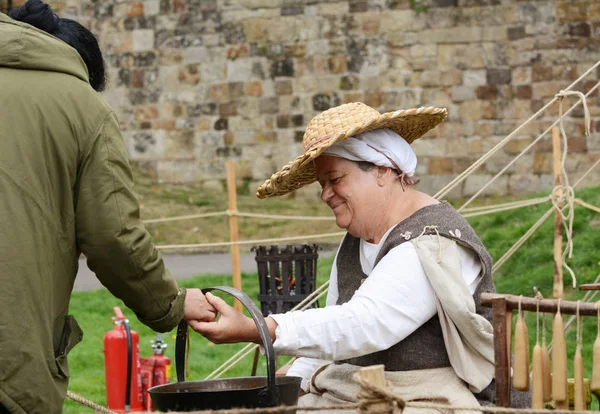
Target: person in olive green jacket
x: 66, y: 188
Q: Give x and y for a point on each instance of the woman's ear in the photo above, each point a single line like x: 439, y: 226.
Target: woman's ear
x: 383, y: 175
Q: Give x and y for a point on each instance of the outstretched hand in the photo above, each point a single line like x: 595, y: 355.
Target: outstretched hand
x: 197, y: 308
x: 231, y: 327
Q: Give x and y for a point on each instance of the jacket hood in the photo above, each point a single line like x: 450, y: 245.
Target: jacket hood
x: 23, y: 46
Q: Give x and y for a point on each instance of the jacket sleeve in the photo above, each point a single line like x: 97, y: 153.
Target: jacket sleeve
x: 111, y: 235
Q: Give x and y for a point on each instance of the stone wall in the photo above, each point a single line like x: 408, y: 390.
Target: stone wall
x: 198, y: 82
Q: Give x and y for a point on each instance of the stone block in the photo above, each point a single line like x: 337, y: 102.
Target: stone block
x: 499, y: 76
x: 398, y: 21
x: 151, y: 7
x: 516, y: 109
x: 292, y: 10
x: 289, y: 103
x: 263, y: 137
x: 519, y: 184
x: 319, y: 47
x: 543, y: 163
x: 190, y: 74
x: 440, y: 166
x: 541, y: 73
x: 516, y: 32
x: 463, y: 93
x: 283, y: 87
x: 452, y: 77
x: 253, y: 88
x: 547, y: 89
x: 431, y: 184
x: 475, y: 182
x: 462, y: 56
x: 179, y: 144
x: 339, y: 8
x: 228, y: 109
x: 353, y: 97
x: 371, y: 23
x: 476, y: 110
x: 220, y: 93
x: 269, y: 105
x: 337, y: 64
x: 144, y: 113
x: 474, y: 78
x: 239, y: 70
x: 521, y: 75
x: 142, y: 40
x: 144, y: 145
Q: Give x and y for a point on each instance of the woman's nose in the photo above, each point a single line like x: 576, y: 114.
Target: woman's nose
x: 326, y: 192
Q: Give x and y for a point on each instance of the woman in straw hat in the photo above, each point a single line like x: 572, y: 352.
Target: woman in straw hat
x: 406, y: 281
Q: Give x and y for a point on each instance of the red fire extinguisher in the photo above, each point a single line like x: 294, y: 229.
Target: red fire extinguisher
x: 156, y: 370
x: 122, y: 366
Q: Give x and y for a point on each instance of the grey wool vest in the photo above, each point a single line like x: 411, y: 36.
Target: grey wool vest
x: 424, y: 348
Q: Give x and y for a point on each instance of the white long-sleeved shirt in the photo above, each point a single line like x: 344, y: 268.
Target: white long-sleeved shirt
x: 394, y: 300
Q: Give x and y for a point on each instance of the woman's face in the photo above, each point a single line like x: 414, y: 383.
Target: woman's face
x: 349, y: 192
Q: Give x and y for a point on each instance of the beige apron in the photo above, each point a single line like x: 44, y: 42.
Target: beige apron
x: 334, y: 384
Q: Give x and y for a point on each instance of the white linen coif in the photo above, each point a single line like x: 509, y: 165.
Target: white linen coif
x: 382, y: 147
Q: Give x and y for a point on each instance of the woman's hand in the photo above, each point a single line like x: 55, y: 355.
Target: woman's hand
x: 231, y: 327
x: 197, y: 308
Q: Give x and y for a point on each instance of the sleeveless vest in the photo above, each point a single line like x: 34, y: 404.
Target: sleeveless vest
x: 425, y: 347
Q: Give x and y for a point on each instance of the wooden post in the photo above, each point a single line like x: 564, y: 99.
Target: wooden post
x: 233, y: 232
x: 500, y: 355
x: 375, y: 374
x: 558, y: 273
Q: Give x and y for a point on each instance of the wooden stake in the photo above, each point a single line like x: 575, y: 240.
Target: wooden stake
x: 233, y: 232
x: 509, y: 316
x: 375, y: 375
x: 501, y: 355
x: 558, y: 274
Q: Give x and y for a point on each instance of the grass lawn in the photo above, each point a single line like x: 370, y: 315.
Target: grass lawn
x: 531, y: 266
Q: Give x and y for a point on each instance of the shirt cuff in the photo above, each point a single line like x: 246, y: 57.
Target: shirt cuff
x: 172, y: 318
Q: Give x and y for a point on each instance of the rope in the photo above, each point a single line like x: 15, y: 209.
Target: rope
x: 245, y: 242
x: 566, y: 194
x: 410, y: 404
x: 493, y: 150
x: 88, y: 403
x: 512, y: 206
x: 274, y: 217
x: 586, y: 205
x: 239, y: 214
x: 487, y: 155
x: 518, y: 203
x: 188, y: 217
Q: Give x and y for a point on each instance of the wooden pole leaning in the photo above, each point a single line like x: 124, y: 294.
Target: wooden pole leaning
x: 558, y: 238
x: 234, y: 232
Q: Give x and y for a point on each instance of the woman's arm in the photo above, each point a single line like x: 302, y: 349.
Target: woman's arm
x: 392, y: 303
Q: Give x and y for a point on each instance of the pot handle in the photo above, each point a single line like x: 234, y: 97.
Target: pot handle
x: 263, y: 330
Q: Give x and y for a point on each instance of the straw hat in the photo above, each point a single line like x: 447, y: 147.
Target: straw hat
x: 341, y: 122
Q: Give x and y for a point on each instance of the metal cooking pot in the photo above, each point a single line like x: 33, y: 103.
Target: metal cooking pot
x: 243, y: 392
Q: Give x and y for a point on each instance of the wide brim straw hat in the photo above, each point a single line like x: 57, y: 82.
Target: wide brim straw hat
x: 339, y: 123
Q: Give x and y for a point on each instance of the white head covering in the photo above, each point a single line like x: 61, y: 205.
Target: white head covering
x: 382, y: 147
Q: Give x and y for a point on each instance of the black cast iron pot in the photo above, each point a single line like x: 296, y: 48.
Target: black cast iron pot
x: 220, y: 394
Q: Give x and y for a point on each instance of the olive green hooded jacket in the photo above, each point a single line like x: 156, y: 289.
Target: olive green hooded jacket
x: 65, y: 188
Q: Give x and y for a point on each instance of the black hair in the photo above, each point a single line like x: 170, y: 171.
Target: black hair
x: 40, y: 15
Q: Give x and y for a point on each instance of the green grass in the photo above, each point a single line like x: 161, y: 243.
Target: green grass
x: 530, y: 266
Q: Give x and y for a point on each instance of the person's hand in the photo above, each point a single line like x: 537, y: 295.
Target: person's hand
x: 196, y: 307
x: 231, y: 327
